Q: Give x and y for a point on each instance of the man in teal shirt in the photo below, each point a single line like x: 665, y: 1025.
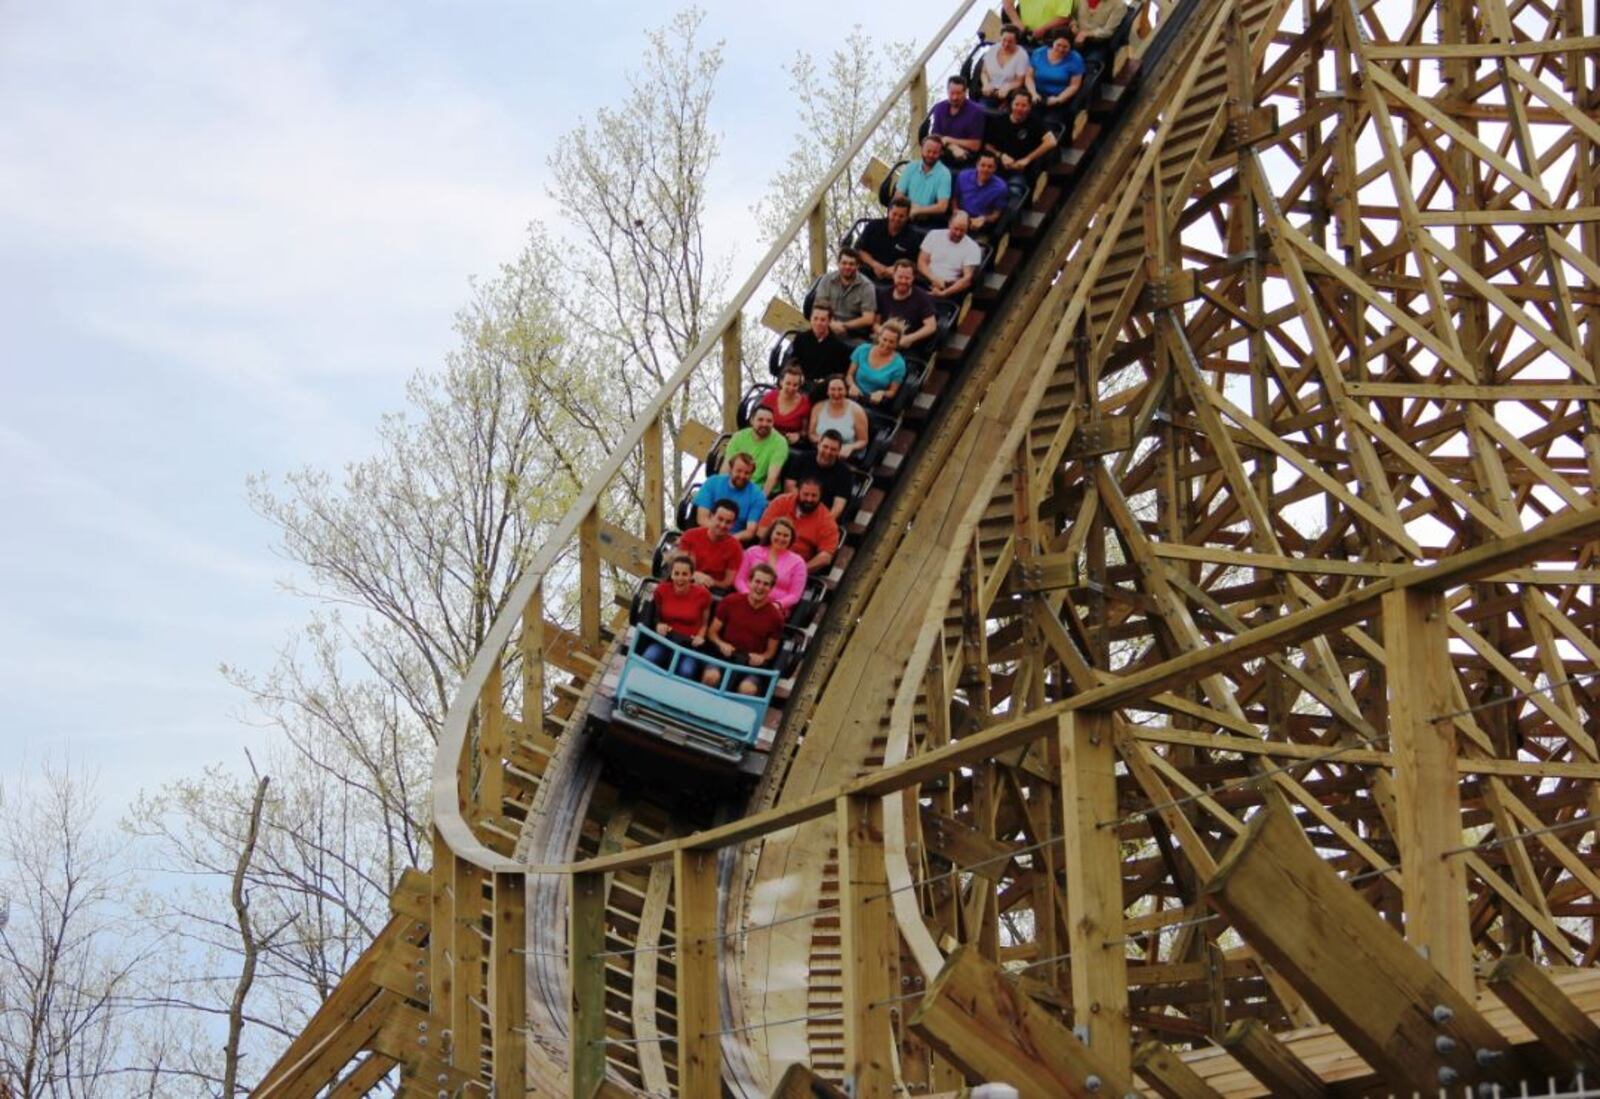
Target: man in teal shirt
x: 926, y: 183
x: 767, y: 447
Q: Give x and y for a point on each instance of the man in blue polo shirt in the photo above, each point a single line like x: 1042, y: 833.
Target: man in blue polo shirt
x: 981, y: 192
x: 926, y: 183
x: 737, y: 486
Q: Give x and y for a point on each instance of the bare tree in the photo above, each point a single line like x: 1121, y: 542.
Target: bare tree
x: 70, y: 950
x: 836, y: 99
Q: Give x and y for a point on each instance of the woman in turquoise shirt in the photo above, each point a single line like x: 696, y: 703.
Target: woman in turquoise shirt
x: 878, y: 368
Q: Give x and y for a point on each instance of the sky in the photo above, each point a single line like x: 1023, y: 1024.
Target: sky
x: 229, y: 232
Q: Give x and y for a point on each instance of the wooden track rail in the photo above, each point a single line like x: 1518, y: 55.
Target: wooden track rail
x: 1214, y: 705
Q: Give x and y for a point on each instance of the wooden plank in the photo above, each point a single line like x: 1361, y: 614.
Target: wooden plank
x: 799, y: 1082
x: 1168, y: 1075
x: 1571, y: 1036
x: 1270, y: 1061
x: 624, y: 549
x: 873, y: 175
x: 699, y: 1044
x: 696, y: 438
x: 782, y: 316
x: 586, y: 938
x: 508, y: 991
x: 1381, y: 996
x: 976, y: 1017
x: 868, y: 945
x: 1427, y: 790
x: 1093, y: 860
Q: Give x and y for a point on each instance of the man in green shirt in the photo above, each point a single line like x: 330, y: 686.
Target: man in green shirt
x: 768, y: 448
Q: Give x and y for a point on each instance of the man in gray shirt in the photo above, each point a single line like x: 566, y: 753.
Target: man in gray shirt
x: 853, y: 299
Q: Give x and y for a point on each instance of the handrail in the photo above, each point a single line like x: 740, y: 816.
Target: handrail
x: 452, y: 828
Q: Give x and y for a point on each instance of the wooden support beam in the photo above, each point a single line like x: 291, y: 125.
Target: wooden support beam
x: 1093, y: 860
x: 363, y: 1078
x: 868, y: 946
x: 586, y: 939
x: 699, y: 1018
x: 1270, y: 1061
x: 1165, y: 1071
x: 732, y: 373
x: 782, y: 316
x: 508, y: 992
x: 1571, y: 1037
x: 1427, y: 788
x: 1382, y: 997
x: 975, y: 1016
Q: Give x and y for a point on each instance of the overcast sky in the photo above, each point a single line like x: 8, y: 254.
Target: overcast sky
x: 229, y: 232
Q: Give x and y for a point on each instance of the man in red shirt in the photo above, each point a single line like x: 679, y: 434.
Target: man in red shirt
x: 745, y: 630
x: 716, y: 553
x: 816, y: 533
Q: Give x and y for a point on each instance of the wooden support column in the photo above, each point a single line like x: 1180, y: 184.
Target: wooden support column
x: 467, y: 955
x: 699, y: 1018
x: 589, y: 578
x: 655, y: 493
x: 732, y: 374
x: 867, y: 945
x: 491, y: 746
x: 586, y: 938
x: 1094, y: 886
x: 508, y: 993
x: 1427, y: 794
x: 441, y: 916
x: 817, y: 237
x: 975, y: 1016
x: 918, y: 94
x: 530, y: 643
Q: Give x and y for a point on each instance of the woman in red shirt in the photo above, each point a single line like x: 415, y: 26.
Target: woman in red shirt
x: 791, y: 408
x: 683, y: 612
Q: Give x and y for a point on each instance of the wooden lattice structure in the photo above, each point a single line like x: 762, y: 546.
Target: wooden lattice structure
x: 1213, y: 707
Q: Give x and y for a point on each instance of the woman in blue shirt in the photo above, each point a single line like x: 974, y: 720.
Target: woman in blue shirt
x: 1056, y: 76
x: 878, y: 368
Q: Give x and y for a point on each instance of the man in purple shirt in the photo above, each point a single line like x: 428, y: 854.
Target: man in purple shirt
x: 958, y: 124
x: 981, y: 192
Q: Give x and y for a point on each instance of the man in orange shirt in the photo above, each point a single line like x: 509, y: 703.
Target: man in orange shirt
x: 816, y: 533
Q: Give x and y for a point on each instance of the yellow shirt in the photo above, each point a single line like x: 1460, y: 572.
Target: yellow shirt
x: 1037, y: 13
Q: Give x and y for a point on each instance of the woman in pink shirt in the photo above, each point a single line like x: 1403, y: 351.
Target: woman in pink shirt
x: 789, y: 565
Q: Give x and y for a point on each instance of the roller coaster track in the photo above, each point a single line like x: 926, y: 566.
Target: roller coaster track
x: 1219, y: 667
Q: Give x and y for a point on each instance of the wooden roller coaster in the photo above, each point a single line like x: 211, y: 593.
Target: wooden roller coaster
x: 1210, y: 706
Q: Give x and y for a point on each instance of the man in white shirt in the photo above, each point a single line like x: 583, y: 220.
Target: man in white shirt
x: 949, y: 258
